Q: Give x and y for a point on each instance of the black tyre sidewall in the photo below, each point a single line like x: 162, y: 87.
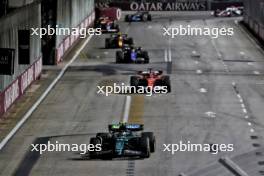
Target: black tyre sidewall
x: 145, y: 146
x: 152, y: 140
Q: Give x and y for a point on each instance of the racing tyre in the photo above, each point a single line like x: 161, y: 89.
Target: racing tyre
x: 117, y: 28
x: 107, y: 43
x: 94, y: 141
x: 143, y: 83
x: 145, y: 147
x: 145, y: 17
x: 152, y: 140
x: 166, y: 82
x: 103, y: 135
x: 119, y: 57
x: 127, y: 18
x: 146, y: 57
x: 149, y: 17
x: 134, y: 81
x: 130, y: 41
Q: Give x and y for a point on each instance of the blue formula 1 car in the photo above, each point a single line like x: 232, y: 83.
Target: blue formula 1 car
x: 130, y: 54
x: 123, y: 140
x: 139, y: 16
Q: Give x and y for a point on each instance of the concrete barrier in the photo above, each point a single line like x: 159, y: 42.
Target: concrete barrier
x: 254, y: 16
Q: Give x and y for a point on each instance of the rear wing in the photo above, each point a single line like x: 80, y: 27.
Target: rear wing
x: 158, y: 72
x: 124, y: 127
x: 135, y: 127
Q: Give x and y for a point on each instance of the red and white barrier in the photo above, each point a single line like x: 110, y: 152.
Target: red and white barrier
x: 69, y: 41
x: 18, y: 87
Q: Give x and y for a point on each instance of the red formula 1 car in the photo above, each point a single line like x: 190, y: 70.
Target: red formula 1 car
x: 152, y: 79
x: 107, y: 25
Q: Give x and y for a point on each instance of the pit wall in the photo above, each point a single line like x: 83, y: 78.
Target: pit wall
x: 72, y: 14
x: 12, y: 87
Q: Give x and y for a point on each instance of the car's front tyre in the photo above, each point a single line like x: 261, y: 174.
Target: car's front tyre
x: 119, y: 57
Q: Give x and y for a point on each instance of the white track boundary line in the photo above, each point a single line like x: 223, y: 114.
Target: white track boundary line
x: 127, y: 109
x: 165, y: 55
x: 43, y: 96
x: 170, y: 55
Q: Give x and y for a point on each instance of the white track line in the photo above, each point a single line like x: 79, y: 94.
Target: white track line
x: 43, y: 96
x: 165, y: 55
x: 127, y: 109
x: 169, y: 59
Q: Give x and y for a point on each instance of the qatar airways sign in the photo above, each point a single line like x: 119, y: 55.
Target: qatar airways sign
x: 169, y: 6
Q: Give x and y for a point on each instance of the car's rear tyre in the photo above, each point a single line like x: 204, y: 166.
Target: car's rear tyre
x: 134, y: 81
x: 145, y: 17
x: 117, y: 28
x: 146, y: 57
x: 145, y: 147
x: 130, y: 41
x: 103, y: 135
x: 107, y: 43
x: 152, y: 140
x: 149, y: 17
x: 95, y: 141
x: 166, y: 82
x: 143, y: 83
x: 127, y: 18
x: 119, y: 57
x: 158, y: 82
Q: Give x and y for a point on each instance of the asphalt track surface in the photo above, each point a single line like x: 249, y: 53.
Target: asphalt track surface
x: 216, y: 98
